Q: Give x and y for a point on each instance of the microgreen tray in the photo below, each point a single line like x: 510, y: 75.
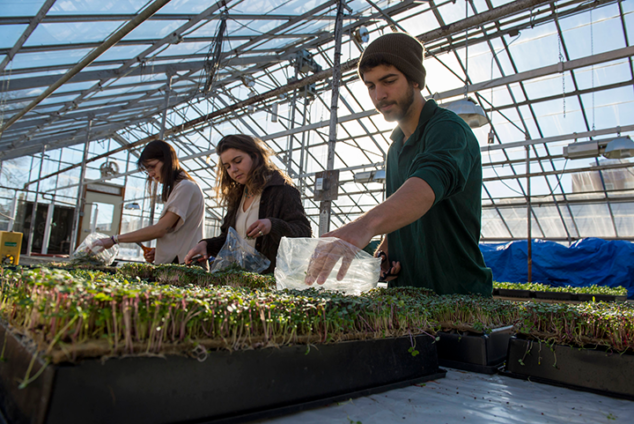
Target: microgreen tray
x: 221, y: 385
x: 591, y: 369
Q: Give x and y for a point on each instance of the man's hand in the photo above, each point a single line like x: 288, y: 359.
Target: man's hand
x: 351, y: 237
x: 149, y: 254
x: 199, y: 249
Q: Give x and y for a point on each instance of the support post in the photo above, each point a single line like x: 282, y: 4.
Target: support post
x: 289, y: 151
x: 81, y: 193
x: 168, y: 89
x: 48, y: 226
x: 325, y: 207
x: 14, y: 208
x: 528, y: 215
x: 301, y: 170
x: 29, y: 244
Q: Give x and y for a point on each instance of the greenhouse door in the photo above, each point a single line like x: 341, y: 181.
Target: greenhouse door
x: 102, y: 210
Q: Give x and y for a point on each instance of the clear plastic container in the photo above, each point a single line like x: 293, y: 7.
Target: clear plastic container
x: 294, y: 256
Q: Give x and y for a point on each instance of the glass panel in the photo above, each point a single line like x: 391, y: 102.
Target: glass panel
x: 584, y: 39
x: 186, y: 6
x: 9, y: 34
x: 122, y: 52
x: 492, y: 225
x: 549, y: 221
x: 44, y: 59
x: 154, y: 30
x: 537, y: 49
x: 623, y: 217
x: 20, y: 8
x: 106, y: 7
x: 593, y: 220
x: 71, y: 32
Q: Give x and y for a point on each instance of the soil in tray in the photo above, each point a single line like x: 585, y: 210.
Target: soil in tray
x: 482, y: 353
x: 595, y: 370
x: 224, y: 385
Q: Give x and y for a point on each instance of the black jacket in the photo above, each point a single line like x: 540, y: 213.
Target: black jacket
x: 281, y: 203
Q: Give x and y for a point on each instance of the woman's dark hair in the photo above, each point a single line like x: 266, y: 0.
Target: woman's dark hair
x: 171, y: 172
x: 229, y: 190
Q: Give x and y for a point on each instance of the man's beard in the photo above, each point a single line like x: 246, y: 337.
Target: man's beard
x: 402, y: 106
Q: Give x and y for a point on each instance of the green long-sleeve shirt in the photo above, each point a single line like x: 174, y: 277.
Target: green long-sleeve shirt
x: 440, y: 250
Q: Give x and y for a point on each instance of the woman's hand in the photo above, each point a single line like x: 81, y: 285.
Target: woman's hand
x: 259, y: 228
x: 105, y: 242
x: 149, y: 254
x: 199, y: 249
x: 388, y: 273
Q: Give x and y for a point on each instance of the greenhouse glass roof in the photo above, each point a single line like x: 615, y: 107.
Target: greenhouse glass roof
x: 546, y: 73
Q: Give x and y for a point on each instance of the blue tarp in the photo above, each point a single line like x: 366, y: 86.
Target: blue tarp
x: 588, y: 261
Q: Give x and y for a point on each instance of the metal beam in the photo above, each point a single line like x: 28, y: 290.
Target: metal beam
x: 558, y: 68
x: 149, y: 42
x: 23, y: 20
x: 325, y: 206
x: 45, y: 81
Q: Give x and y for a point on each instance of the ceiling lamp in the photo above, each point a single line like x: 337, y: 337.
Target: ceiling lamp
x: 132, y: 206
x: 361, y: 34
x: 616, y: 148
x: 376, y: 176
x: 468, y: 110
x: 619, y: 148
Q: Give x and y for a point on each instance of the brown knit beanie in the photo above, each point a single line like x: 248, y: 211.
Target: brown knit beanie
x: 398, y: 49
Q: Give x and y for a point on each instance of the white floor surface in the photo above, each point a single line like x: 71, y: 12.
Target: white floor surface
x: 464, y: 397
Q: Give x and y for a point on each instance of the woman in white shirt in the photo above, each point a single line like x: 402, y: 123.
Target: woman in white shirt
x: 182, y: 223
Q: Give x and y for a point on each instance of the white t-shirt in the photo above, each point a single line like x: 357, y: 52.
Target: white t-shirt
x: 244, y: 219
x: 186, y: 201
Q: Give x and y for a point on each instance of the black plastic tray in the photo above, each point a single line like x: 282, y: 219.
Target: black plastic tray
x: 483, y: 353
x: 514, y: 293
x: 554, y: 295
x: 227, y: 386
x: 585, y: 297
x: 594, y: 370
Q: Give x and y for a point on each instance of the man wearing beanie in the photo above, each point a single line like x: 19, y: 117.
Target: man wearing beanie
x: 434, y: 184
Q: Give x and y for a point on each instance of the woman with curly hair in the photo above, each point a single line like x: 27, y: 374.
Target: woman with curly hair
x: 262, y: 204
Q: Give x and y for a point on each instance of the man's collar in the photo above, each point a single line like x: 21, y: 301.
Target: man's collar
x: 425, y: 115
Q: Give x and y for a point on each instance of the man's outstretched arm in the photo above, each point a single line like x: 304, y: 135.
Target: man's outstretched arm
x: 410, y: 202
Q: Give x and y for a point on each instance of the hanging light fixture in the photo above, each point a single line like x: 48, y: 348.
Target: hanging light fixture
x: 467, y: 108
x: 619, y: 148
x: 616, y: 148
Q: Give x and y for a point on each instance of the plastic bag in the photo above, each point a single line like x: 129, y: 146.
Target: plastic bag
x: 237, y: 251
x: 86, y: 254
x: 294, y: 255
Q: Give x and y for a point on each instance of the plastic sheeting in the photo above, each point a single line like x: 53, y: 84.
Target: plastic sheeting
x: 588, y: 261
x: 464, y: 397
